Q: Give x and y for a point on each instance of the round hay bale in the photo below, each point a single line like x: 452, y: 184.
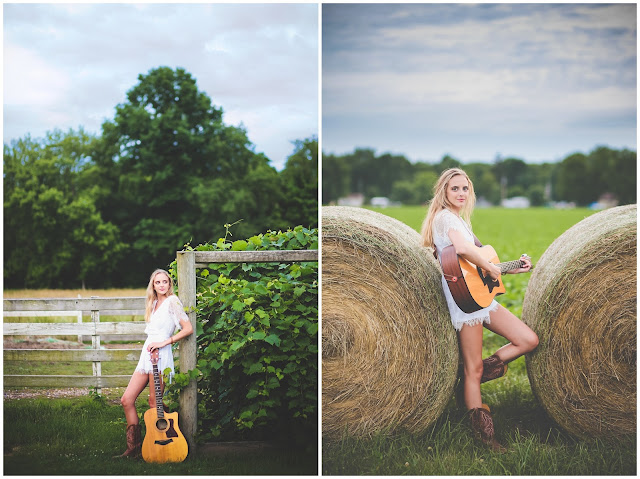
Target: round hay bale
x: 581, y: 301
x: 389, y: 352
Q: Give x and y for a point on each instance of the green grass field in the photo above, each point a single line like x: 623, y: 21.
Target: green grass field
x: 79, y: 437
x: 536, y: 445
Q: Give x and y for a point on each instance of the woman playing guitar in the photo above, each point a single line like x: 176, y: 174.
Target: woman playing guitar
x: 164, y: 314
x: 448, y: 223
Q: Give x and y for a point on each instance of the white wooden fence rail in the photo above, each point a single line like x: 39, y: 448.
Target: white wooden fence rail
x: 95, y: 329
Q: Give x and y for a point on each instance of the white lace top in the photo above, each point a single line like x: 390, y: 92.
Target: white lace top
x: 166, y: 319
x: 162, y: 324
x: 444, y: 221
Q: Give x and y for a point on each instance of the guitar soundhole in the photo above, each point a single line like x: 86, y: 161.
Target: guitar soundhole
x: 162, y: 424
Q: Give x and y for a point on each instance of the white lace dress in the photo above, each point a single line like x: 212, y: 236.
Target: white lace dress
x: 444, y: 221
x: 162, y: 324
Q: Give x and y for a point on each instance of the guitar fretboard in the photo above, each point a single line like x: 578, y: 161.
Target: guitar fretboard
x: 510, y: 265
x: 156, y: 383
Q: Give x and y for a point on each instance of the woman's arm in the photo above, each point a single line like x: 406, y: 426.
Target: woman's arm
x: 185, y: 330
x: 471, y: 253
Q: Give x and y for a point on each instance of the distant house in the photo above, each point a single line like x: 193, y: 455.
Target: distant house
x: 562, y: 205
x: 606, y: 200
x: 381, y: 201
x: 354, y: 199
x: 516, y: 202
x: 482, y: 202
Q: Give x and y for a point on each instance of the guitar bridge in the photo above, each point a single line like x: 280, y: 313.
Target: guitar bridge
x: 164, y: 442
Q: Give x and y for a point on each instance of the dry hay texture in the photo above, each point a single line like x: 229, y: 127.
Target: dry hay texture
x: 389, y: 352
x: 581, y: 301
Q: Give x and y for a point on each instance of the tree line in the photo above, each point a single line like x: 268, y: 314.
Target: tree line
x: 106, y: 210
x: 580, y: 178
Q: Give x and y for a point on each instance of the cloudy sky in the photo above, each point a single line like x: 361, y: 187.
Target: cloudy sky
x: 532, y: 81
x: 69, y: 65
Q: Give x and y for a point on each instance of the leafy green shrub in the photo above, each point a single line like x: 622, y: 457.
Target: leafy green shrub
x: 257, y: 325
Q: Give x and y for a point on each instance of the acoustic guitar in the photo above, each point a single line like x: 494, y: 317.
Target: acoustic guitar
x: 163, y: 441
x: 470, y: 287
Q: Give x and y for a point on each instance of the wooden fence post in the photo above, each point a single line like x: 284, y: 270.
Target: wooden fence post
x: 188, y: 346
x: 95, y: 344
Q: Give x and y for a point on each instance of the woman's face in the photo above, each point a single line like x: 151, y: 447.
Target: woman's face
x: 458, y: 191
x: 161, y: 284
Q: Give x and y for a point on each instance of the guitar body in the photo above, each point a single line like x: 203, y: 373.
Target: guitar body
x: 163, y: 441
x: 471, y: 289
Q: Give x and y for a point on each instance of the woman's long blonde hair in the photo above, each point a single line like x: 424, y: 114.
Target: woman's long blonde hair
x: 152, y: 295
x: 440, y: 201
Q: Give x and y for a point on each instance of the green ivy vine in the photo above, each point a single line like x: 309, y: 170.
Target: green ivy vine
x: 257, y: 326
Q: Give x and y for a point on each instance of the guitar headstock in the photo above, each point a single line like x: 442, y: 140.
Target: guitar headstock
x: 155, y: 356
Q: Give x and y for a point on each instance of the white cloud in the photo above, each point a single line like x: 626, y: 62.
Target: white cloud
x: 79, y: 60
x: 31, y: 80
x: 477, y: 74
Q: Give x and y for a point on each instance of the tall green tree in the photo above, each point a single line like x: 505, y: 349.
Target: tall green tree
x: 54, y: 234
x: 613, y: 171
x: 300, y: 184
x: 336, y: 178
x: 177, y: 173
x: 574, y: 180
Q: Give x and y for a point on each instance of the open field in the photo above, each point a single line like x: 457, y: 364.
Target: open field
x: 536, y: 445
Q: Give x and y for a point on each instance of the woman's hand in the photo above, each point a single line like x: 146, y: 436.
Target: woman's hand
x: 526, y: 267
x: 157, y: 345
x: 494, y: 271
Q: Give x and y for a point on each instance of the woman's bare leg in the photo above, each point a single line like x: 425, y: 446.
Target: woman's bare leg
x: 471, y: 347
x: 506, y: 324
x: 136, y: 384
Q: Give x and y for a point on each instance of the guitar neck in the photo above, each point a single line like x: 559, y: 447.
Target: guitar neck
x: 510, y: 265
x: 156, y: 383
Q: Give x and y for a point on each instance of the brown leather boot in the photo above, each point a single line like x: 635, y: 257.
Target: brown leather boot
x: 492, y: 368
x: 134, y: 441
x: 482, y: 427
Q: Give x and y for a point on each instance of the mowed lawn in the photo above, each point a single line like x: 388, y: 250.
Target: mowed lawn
x: 536, y: 445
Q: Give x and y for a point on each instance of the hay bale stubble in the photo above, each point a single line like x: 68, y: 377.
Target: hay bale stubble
x: 581, y: 301
x: 389, y: 352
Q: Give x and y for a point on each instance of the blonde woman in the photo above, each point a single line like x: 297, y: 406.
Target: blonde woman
x: 448, y: 223
x: 164, y: 314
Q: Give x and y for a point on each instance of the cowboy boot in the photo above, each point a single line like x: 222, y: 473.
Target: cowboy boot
x: 482, y: 427
x: 134, y: 441
x: 492, y: 368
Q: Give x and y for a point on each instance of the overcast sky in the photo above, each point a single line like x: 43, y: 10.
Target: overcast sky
x: 69, y: 65
x: 532, y: 81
